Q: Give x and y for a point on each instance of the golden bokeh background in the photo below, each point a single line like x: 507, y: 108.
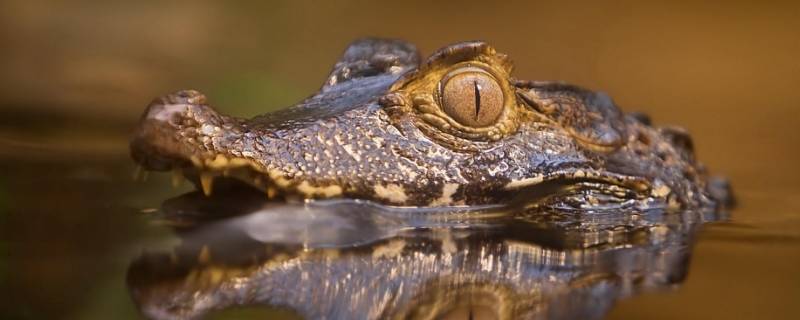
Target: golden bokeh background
x: 76, y: 75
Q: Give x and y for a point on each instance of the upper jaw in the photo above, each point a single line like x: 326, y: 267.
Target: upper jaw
x: 179, y: 132
x: 174, y: 128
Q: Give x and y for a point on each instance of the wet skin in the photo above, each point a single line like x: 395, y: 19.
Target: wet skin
x: 455, y: 129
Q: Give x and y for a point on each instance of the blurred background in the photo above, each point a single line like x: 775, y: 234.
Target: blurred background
x: 75, y: 76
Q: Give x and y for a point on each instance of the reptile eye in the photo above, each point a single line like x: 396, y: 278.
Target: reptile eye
x: 472, y: 97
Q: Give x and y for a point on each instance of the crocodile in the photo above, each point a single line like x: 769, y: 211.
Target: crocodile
x: 435, y: 189
x: 456, y: 129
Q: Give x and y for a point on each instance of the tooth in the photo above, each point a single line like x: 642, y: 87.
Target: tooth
x: 271, y: 192
x: 177, y: 177
x: 205, y: 255
x: 206, y: 181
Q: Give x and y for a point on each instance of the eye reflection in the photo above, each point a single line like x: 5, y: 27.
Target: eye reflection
x: 472, y: 97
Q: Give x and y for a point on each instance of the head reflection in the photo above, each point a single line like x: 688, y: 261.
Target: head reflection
x: 350, y: 259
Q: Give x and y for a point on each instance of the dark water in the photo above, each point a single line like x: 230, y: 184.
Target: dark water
x: 77, y: 234
x: 83, y: 239
x: 104, y: 244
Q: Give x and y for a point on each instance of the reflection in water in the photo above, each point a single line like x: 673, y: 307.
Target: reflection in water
x: 346, y: 259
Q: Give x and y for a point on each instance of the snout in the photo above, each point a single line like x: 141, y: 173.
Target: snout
x: 172, y: 129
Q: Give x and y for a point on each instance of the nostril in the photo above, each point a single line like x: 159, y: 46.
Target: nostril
x: 160, y: 140
x: 187, y: 97
x: 167, y: 107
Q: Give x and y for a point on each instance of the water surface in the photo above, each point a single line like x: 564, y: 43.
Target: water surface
x: 76, y: 77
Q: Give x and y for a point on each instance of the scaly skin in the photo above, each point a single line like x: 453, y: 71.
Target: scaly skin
x: 377, y: 130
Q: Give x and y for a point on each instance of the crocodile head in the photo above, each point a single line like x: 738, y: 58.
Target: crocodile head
x: 455, y: 129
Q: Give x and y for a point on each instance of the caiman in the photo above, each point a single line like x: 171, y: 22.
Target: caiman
x: 454, y: 130
x: 436, y: 189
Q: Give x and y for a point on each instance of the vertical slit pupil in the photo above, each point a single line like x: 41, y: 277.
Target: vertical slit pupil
x: 477, y: 98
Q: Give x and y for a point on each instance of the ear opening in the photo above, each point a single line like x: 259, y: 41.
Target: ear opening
x: 591, y: 117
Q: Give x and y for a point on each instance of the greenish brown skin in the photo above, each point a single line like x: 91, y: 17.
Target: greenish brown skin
x: 377, y: 130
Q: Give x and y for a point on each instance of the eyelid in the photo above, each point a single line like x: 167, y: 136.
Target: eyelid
x: 460, y: 70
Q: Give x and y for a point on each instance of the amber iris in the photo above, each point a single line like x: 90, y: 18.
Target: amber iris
x: 473, y: 98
